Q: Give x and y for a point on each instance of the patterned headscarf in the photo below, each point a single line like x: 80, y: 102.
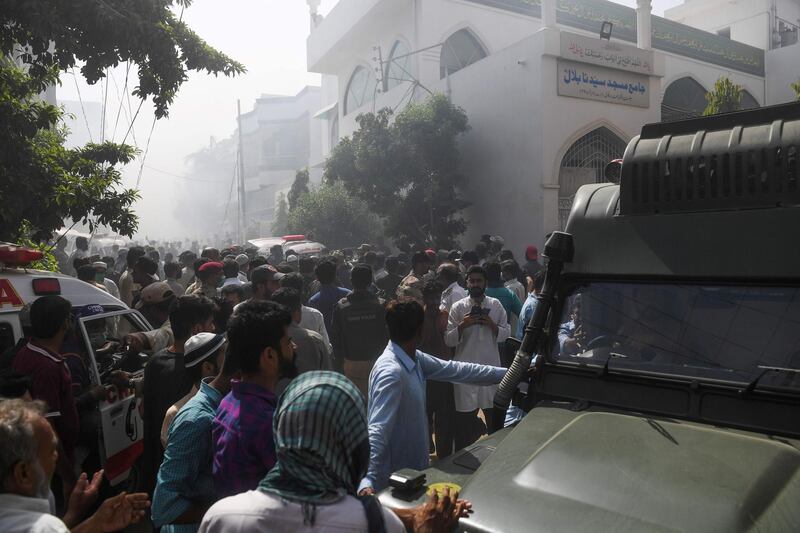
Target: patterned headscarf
x: 321, y: 441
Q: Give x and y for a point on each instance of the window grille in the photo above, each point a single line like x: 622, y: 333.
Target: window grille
x: 584, y: 163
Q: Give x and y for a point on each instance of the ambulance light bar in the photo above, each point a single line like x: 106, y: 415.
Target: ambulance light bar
x: 12, y: 255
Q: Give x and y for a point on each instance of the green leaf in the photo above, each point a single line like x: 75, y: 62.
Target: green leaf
x: 406, y: 170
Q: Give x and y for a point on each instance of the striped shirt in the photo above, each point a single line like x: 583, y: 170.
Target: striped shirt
x: 185, y: 475
x: 244, y: 450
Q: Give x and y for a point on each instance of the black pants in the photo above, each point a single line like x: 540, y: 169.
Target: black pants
x: 441, y: 416
x: 469, y: 427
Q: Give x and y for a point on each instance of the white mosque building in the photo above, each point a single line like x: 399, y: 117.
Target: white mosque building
x: 549, y: 101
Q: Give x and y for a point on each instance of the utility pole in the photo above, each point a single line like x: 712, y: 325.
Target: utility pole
x: 242, y: 219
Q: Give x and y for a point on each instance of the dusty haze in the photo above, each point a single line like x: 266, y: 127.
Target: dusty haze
x: 268, y: 36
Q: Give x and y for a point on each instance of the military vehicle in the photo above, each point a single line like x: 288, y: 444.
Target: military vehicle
x: 666, y: 394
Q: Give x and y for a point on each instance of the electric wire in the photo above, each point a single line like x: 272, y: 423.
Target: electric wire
x: 144, y: 155
x: 80, y: 99
x: 105, y: 106
x: 133, y: 120
x: 181, y: 176
x: 120, y: 97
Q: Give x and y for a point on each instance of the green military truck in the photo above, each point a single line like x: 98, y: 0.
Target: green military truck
x: 667, y: 389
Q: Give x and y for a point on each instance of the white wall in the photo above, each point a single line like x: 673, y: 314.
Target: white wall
x: 400, y: 28
x: 501, y: 154
x: 520, y: 132
x: 495, y: 28
x: 783, y: 68
x: 750, y: 21
x: 421, y: 24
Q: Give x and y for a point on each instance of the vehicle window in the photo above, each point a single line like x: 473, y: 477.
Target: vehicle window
x: 6, y: 336
x: 106, y: 338
x: 715, y: 332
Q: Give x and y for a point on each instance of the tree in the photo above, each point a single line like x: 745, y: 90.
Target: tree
x: 796, y: 88
x: 726, y: 97
x: 299, y: 187
x: 334, y: 216
x: 104, y: 33
x: 42, y: 182
x: 280, y: 223
x: 407, y: 170
x: 47, y: 182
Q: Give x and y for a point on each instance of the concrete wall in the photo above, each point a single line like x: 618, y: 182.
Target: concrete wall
x: 501, y: 154
x: 512, y: 155
x: 750, y: 21
x: 496, y: 29
x: 402, y: 28
x: 783, y: 68
x: 422, y: 24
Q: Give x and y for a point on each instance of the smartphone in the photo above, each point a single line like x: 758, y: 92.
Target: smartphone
x: 476, y: 310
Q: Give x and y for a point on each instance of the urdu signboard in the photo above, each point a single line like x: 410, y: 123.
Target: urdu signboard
x: 606, y: 53
x: 591, y: 82
x: 668, y: 36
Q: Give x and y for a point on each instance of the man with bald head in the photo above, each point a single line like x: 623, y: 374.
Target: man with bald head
x: 28, y: 457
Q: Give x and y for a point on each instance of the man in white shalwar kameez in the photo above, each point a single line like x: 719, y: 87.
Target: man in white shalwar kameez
x: 476, y: 325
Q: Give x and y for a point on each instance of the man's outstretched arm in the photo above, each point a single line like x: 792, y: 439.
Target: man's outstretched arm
x: 385, y: 394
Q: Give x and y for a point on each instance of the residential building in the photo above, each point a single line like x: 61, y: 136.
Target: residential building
x: 277, y: 140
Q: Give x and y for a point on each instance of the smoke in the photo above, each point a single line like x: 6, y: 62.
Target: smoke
x: 269, y: 38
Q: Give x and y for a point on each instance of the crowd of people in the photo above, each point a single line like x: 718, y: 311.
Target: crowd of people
x: 279, y: 393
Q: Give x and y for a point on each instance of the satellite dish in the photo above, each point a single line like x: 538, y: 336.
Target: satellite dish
x: 613, y: 171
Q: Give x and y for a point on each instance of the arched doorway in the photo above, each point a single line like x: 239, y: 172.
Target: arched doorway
x: 584, y: 163
x: 684, y: 98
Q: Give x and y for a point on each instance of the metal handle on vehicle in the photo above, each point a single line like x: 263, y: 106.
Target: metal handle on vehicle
x: 558, y: 250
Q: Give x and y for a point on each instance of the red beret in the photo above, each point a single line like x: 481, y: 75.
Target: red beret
x: 211, y: 265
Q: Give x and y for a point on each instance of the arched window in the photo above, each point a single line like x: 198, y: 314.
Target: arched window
x: 398, y: 68
x: 748, y: 100
x: 584, y: 163
x: 460, y: 50
x: 684, y: 98
x: 360, y: 89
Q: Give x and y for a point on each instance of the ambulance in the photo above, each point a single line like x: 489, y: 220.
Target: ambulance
x: 97, y: 339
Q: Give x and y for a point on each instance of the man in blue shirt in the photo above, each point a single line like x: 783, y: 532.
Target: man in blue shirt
x: 185, y: 487
x: 398, y: 424
x: 529, y: 306
x: 329, y: 294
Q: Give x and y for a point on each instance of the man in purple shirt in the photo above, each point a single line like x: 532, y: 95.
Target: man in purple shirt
x: 244, y: 450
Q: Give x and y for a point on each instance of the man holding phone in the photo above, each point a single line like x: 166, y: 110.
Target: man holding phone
x: 476, y: 325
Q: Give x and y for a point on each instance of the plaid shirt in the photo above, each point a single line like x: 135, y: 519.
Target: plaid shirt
x: 244, y: 450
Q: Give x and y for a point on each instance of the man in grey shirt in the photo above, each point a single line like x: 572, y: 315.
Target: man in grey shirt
x: 311, y: 352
